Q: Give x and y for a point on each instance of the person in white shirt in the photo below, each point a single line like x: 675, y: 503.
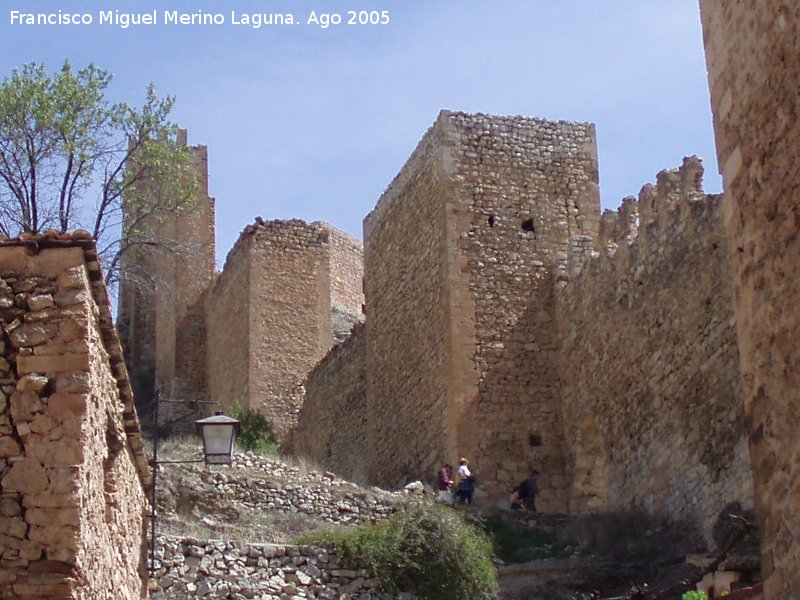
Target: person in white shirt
x: 466, y: 487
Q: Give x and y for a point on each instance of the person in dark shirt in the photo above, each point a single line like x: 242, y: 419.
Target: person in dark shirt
x: 528, y: 490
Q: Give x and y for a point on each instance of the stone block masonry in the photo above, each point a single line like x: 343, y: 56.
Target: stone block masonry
x: 753, y: 62
x: 653, y: 414
x: 72, y: 469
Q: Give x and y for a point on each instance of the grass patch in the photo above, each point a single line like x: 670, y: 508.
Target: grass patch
x: 428, y: 550
x: 514, y: 543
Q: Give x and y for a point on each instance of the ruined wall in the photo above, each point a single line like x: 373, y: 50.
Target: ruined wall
x: 652, y: 404
x: 347, y: 270
x: 332, y: 424
x: 460, y: 253
x: 228, y: 330
x: 72, y: 469
x: 754, y: 73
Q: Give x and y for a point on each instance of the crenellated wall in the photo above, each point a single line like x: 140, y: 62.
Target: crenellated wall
x: 72, y: 470
x: 653, y: 413
x: 753, y: 60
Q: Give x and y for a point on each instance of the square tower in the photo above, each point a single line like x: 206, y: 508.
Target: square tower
x: 461, y: 254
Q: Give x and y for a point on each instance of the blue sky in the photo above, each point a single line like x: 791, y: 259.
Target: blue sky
x: 313, y: 123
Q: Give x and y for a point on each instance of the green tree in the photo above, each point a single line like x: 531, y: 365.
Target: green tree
x: 70, y: 158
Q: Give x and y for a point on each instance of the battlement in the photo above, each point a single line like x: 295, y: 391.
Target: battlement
x: 645, y: 226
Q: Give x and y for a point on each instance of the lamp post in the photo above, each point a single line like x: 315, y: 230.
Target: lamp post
x: 218, y: 434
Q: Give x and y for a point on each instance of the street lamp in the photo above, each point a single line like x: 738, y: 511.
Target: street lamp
x: 218, y: 434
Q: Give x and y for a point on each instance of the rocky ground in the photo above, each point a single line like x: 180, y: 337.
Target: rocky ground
x: 228, y: 532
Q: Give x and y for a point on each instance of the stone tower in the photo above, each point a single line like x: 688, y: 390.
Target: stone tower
x: 461, y: 253
x: 161, y: 313
x: 270, y: 313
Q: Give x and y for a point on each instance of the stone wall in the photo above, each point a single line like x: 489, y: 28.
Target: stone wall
x: 652, y: 403
x: 407, y: 318
x: 290, y: 314
x: 754, y: 73
x: 218, y: 569
x: 460, y: 253
x: 228, y: 331
x: 332, y: 424
x: 347, y: 270
x: 72, y: 469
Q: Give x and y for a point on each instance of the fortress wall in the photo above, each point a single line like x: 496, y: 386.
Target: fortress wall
x: 347, y: 270
x: 228, y: 318
x: 332, y: 424
x: 289, y: 315
x: 753, y: 62
x: 407, y: 321
x: 72, y: 469
x: 653, y: 414
x: 523, y: 191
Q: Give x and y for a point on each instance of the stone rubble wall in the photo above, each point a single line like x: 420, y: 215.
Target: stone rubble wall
x: 649, y: 366
x: 332, y: 424
x: 189, y: 568
x: 329, y: 500
x: 72, y: 469
x: 753, y: 62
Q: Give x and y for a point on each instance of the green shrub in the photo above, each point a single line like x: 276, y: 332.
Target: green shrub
x: 256, y: 431
x: 429, y: 550
x: 694, y: 595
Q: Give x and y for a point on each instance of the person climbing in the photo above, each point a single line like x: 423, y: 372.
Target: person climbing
x: 466, y: 486
x: 444, y: 483
x: 527, y: 491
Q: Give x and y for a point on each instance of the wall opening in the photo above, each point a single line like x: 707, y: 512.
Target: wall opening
x: 527, y: 225
x: 491, y: 221
x: 534, y: 440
